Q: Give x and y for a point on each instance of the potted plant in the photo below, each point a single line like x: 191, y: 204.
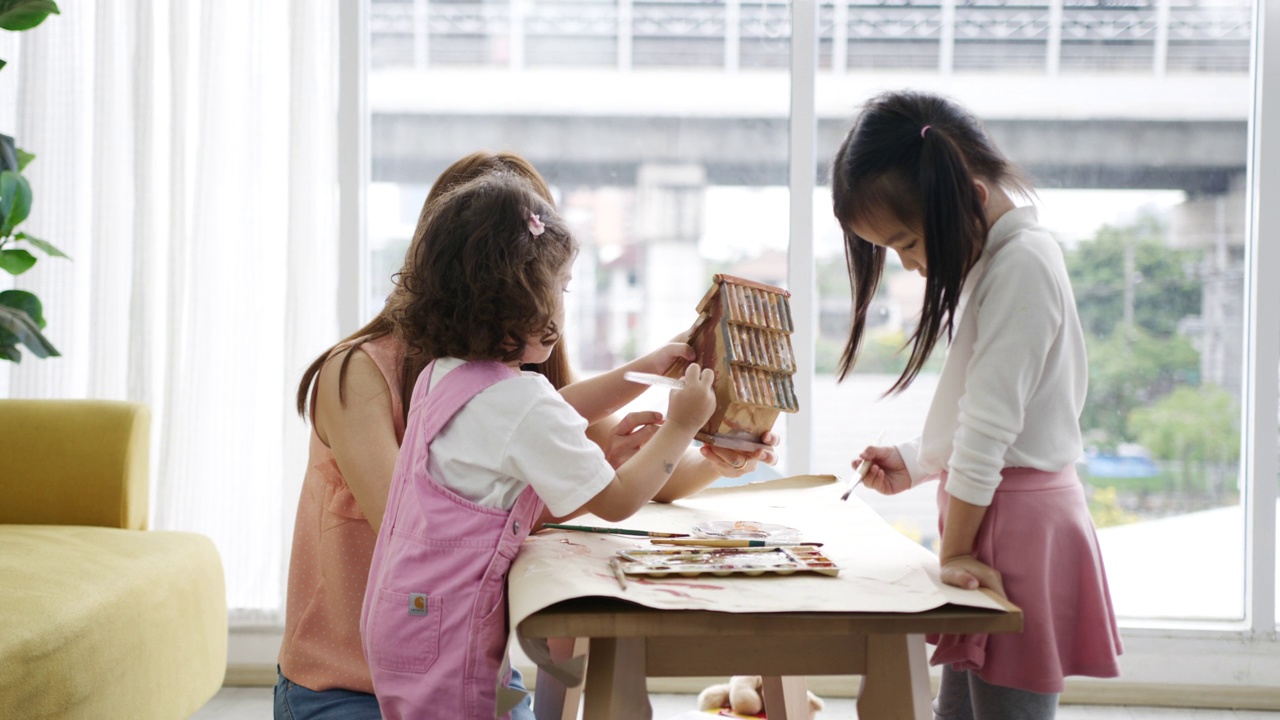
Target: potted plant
x: 21, y: 314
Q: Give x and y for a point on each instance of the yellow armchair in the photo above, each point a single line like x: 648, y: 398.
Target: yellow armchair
x: 74, y: 462
x: 99, y: 617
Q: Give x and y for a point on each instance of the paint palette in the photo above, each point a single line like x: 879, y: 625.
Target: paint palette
x: 690, y: 561
x: 745, y: 530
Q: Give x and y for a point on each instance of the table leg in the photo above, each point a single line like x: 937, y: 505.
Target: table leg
x: 785, y: 697
x: 615, y: 681
x: 551, y: 699
x: 896, y: 686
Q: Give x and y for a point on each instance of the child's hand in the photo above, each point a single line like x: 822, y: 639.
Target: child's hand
x: 659, y: 360
x: 887, y: 474
x: 732, y: 463
x: 629, y: 435
x: 966, y: 571
x: 691, y: 406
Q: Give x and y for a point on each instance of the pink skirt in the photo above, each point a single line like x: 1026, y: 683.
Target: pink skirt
x: 1039, y: 535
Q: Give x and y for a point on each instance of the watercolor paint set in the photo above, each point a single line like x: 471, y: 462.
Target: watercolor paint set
x: 722, y: 561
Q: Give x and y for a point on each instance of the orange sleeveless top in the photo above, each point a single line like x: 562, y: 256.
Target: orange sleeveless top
x: 329, y: 564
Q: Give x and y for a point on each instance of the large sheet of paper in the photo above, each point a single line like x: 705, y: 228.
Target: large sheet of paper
x: 881, y: 569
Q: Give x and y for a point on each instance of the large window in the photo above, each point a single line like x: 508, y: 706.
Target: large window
x: 664, y: 127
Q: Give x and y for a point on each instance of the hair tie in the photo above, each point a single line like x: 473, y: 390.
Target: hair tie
x: 924, y: 130
x: 535, y: 225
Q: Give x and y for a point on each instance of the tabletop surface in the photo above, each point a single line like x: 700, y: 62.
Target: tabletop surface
x: 884, y: 576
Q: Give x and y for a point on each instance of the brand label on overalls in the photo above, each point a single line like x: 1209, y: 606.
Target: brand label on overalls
x: 417, y: 603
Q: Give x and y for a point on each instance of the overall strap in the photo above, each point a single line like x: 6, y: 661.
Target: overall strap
x: 430, y: 409
x: 456, y: 389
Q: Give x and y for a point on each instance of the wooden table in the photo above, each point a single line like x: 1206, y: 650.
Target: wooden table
x: 628, y: 642
x: 870, y: 620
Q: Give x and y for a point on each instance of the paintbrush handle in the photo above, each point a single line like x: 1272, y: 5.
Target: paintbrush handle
x: 718, y: 542
x: 614, y: 531
x: 652, y: 379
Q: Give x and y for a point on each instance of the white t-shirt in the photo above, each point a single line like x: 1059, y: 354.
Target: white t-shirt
x: 1013, y: 385
x: 517, y: 432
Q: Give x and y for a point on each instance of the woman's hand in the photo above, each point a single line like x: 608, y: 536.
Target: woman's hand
x: 734, y: 463
x: 629, y: 435
x: 966, y: 571
x: 887, y: 474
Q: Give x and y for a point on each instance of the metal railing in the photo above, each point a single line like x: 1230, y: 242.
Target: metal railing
x: 1048, y: 36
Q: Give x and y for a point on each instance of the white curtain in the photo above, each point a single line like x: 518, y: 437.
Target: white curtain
x: 186, y: 160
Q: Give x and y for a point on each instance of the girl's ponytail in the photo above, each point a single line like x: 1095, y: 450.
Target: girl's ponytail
x: 955, y: 227
x: 915, y: 157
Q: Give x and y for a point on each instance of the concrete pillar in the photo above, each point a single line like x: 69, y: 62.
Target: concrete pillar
x: 670, y: 200
x: 1216, y: 224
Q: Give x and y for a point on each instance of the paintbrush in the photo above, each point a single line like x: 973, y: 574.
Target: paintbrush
x: 731, y: 543
x: 652, y: 379
x: 863, y: 468
x: 618, y: 574
x: 615, y: 531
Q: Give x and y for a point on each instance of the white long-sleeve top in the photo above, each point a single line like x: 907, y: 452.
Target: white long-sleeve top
x: 1014, y: 381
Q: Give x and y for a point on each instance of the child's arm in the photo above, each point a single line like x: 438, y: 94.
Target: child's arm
x: 699, y: 468
x: 640, y: 478
x: 959, y: 567
x: 599, y: 397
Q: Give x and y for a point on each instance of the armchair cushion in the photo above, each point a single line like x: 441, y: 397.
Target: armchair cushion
x: 99, y: 617
x: 104, y: 622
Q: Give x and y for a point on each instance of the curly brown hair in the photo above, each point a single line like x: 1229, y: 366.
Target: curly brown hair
x: 478, y: 282
x: 476, y: 164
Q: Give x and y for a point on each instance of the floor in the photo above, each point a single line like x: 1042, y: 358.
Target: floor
x: 238, y: 703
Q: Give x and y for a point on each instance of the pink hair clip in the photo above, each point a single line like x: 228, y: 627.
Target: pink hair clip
x: 924, y: 130
x: 536, y: 227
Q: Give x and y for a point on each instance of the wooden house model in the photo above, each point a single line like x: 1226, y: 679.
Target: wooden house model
x: 743, y: 332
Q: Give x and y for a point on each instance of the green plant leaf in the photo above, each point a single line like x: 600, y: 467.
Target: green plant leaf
x: 2, y: 64
x: 25, y: 14
x: 15, y: 200
x: 16, y: 262
x: 46, y: 246
x: 8, y: 153
x: 26, y: 302
x: 16, y: 327
x: 24, y: 157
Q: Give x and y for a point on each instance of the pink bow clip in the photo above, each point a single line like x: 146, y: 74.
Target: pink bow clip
x: 535, y: 225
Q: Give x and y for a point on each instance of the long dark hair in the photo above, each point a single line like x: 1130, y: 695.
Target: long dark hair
x: 916, y: 156
x: 477, y: 164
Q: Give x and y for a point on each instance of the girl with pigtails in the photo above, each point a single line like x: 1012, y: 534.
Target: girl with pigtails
x: 918, y: 175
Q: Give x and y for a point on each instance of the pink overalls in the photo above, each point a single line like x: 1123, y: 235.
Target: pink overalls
x: 434, y: 621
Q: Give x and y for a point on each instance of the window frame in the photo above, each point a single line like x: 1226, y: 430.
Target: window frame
x: 1187, y: 663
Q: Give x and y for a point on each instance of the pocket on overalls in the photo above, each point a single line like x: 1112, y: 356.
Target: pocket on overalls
x: 405, y: 631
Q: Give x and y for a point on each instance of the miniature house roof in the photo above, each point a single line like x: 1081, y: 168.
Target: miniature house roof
x: 743, y: 333
x: 755, y: 323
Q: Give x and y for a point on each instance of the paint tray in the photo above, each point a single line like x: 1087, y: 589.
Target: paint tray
x: 722, y: 561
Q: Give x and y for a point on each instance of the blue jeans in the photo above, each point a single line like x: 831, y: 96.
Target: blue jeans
x: 294, y: 702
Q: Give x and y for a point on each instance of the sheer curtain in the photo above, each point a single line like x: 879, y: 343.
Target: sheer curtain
x: 186, y: 160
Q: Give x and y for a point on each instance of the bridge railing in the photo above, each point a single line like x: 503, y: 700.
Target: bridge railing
x: 1045, y: 36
